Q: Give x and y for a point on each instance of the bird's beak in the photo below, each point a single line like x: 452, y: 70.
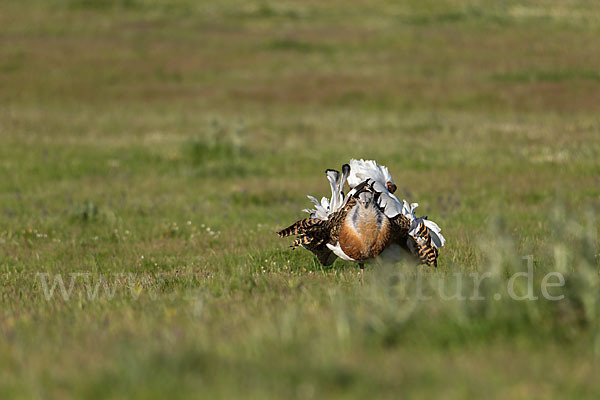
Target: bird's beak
x: 365, y: 199
x: 369, y: 200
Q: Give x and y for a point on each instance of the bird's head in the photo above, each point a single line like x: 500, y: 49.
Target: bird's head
x: 366, y: 199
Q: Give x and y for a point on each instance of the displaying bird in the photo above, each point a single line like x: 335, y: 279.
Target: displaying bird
x: 351, y: 227
x: 368, y: 223
x: 420, y: 236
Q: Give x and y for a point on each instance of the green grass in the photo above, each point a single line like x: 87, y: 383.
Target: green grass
x: 149, y: 150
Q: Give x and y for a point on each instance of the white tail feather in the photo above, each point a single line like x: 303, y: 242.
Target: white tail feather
x: 362, y: 170
x: 327, y: 206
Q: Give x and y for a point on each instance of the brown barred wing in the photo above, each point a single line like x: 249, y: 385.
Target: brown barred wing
x: 300, y: 227
x: 428, y: 254
x: 328, y: 233
x: 423, y: 248
x: 336, y: 220
x: 316, y: 245
x: 313, y: 235
x: 400, y: 226
x: 301, y: 240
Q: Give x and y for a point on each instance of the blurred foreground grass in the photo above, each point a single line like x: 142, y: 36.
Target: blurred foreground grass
x: 152, y: 148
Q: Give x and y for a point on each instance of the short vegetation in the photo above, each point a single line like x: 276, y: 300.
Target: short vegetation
x: 149, y: 150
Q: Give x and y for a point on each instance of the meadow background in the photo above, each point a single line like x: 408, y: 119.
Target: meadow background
x: 154, y: 147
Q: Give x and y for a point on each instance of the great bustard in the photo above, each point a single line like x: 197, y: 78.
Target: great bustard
x: 369, y: 222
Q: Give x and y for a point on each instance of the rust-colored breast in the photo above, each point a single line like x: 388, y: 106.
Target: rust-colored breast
x: 352, y: 244
x: 383, y: 239
x: 364, y: 235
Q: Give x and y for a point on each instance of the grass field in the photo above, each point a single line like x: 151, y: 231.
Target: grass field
x: 149, y: 150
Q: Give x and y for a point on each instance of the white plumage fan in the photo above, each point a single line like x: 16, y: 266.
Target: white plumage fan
x: 367, y: 223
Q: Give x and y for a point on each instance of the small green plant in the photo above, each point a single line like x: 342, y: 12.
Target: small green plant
x: 85, y: 212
